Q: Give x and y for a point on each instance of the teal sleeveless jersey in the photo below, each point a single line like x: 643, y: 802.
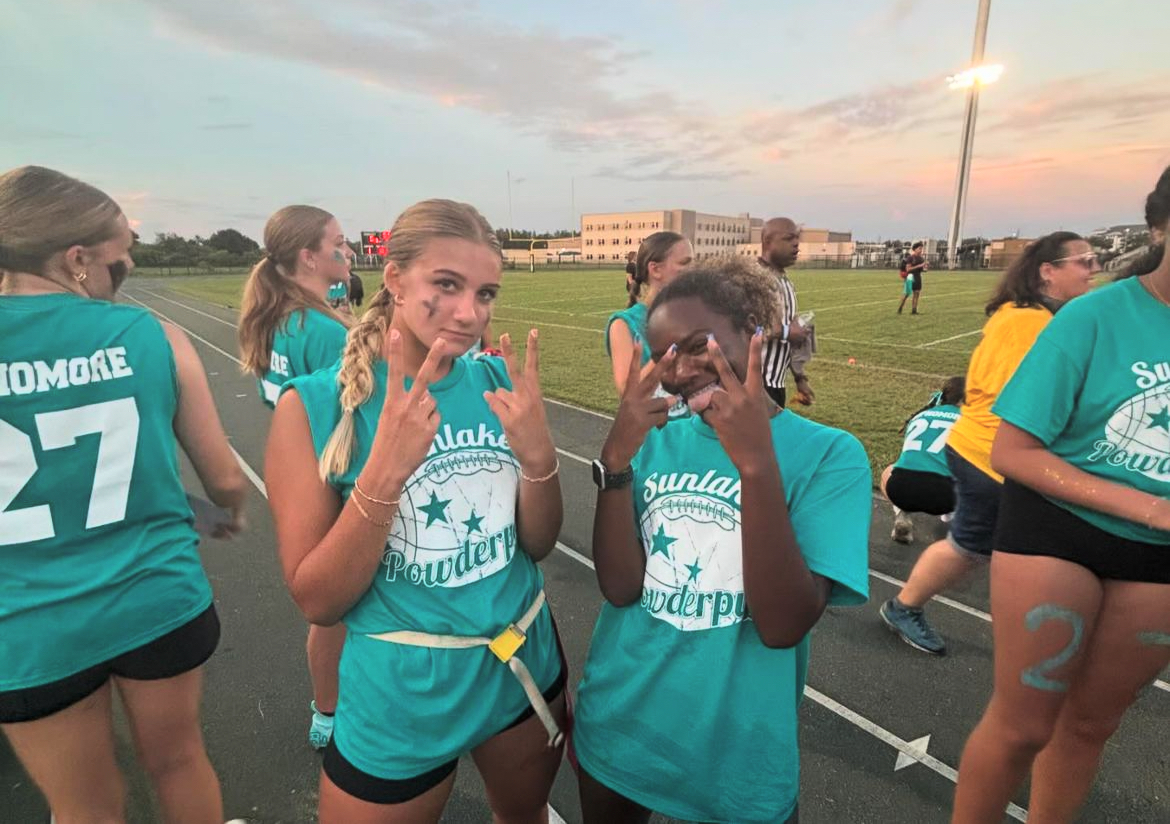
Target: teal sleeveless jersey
x: 635, y: 319
x: 452, y: 566
x: 305, y: 341
x: 926, y: 435
x: 97, y: 551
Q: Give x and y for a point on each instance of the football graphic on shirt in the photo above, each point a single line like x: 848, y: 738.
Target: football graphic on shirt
x: 456, y: 520
x: 1139, y: 434
x: 694, y: 561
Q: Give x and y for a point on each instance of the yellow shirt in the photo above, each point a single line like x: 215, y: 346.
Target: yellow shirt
x: 1007, y: 337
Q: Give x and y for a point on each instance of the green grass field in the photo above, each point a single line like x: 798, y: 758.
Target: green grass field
x: 900, y: 360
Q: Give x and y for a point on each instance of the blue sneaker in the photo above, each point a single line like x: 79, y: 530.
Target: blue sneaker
x: 911, y: 625
x: 321, y: 730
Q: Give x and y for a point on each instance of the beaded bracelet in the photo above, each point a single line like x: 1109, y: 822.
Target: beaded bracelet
x: 543, y: 478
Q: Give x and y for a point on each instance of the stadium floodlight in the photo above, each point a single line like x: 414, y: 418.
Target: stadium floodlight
x: 976, y: 75
x: 972, y: 79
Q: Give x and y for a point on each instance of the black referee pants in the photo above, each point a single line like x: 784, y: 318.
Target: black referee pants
x: 778, y: 394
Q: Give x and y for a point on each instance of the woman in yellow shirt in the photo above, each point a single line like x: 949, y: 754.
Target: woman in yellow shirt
x: 1051, y: 271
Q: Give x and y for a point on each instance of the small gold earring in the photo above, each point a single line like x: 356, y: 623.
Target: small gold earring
x: 81, y: 277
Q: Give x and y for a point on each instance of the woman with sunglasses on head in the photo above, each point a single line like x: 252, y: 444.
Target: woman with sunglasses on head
x: 719, y: 540
x: 414, y: 490
x: 1080, y: 577
x: 1050, y: 272
x: 290, y: 326
x: 101, y: 586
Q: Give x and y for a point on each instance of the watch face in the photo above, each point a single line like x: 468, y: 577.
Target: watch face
x: 599, y: 474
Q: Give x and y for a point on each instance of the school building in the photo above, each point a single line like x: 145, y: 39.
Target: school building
x: 610, y: 236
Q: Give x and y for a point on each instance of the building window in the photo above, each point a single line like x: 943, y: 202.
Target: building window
x: 616, y: 242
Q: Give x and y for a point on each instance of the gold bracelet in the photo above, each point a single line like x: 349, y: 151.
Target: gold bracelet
x: 372, y: 499
x: 544, y: 478
x: 366, y: 515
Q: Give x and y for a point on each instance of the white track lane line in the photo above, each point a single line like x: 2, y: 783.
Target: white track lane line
x: 881, y: 576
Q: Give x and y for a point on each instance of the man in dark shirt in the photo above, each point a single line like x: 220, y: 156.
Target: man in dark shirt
x: 915, y: 266
x: 631, y: 268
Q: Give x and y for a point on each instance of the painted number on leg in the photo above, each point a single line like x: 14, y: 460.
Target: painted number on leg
x: 1037, y: 676
x: 116, y: 422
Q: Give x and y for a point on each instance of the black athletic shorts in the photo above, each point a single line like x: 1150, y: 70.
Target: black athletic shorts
x: 916, y: 286
x: 778, y: 394
x: 1030, y: 524
x: 361, y: 785
x: 180, y: 650
x: 913, y: 491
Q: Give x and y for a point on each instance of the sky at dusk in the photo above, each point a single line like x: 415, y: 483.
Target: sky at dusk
x: 201, y: 115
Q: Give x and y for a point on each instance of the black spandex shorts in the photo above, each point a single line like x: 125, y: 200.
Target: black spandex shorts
x: 361, y: 785
x: 913, y: 491
x: 180, y: 650
x: 1030, y: 524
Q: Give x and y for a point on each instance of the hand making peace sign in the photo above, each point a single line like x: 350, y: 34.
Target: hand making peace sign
x: 739, y: 411
x: 639, y: 411
x: 409, y: 420
x: 521, y: 409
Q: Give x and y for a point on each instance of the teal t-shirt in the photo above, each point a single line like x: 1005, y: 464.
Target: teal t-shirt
x: 1095, y: 390
x: 306, y: 341
x: 453, y: 566
x: 635, y: 318
x: 926, y: 435
x: 682, y: 708
x: 97, y: 551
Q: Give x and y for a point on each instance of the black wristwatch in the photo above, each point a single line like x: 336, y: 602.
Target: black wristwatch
x: 606, y: 480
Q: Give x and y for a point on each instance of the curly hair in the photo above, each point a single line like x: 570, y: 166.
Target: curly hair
x: 737, y: 288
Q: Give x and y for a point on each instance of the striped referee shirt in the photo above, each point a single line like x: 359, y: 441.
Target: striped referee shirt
x: 777, y: 352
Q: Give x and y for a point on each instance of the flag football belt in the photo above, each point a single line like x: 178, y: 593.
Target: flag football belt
x: 504, y: 646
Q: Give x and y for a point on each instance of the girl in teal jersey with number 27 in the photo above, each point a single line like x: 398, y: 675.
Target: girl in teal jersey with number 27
x: 100, y: 581
x: 413, y: 492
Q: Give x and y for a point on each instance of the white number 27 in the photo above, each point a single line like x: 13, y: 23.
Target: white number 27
x: 117, y: 424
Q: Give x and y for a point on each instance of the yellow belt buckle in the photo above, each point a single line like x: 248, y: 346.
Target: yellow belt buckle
x: 505, y: 644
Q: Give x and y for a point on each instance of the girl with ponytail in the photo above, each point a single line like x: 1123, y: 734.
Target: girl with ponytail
x: 660, y: 258
x: 287, y: 328
x: 414, y: 491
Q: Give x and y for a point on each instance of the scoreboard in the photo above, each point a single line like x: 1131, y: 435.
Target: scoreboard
x: 374, y: 243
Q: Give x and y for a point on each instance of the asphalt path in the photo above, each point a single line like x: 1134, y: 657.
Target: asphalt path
x: 882, y: 726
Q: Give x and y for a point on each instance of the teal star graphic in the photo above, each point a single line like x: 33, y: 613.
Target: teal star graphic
x: 1160, y: 420
x: 473, y: 523
x: 662, y: 542
x: 436, y: 510
x: 695, y: 570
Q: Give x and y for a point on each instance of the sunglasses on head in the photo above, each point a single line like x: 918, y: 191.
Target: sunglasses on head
x: 1087, y: 259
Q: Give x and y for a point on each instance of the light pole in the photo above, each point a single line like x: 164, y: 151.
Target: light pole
x: 971, y: 79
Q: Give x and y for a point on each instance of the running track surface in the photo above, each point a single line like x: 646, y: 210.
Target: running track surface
x: 871, y: 702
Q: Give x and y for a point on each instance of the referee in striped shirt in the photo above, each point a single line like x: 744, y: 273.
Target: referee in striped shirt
x: 780, y: 242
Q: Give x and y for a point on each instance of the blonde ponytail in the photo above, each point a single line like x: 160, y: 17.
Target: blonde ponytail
x: 363, y: 346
